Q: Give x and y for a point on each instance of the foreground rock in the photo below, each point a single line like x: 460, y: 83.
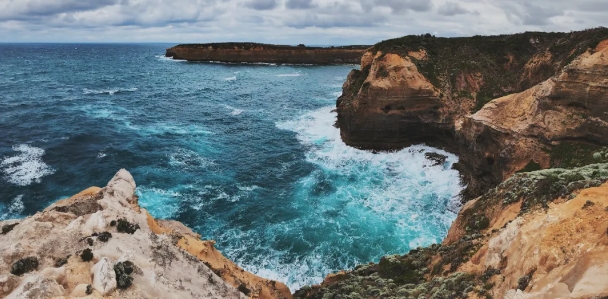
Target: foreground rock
x: 263, y: 53
x: 538, y: 235
x: 501, y: 103
x: 101, y: 244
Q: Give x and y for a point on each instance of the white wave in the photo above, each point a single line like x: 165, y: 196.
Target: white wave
x: 336, y: 94
x: 101, y: 155
x: 27, y: 167
x: 234, y: 111
x: 189, y: 160
x: 14, y: 209
x: 111, y: 91
x: 165, y: 128
x: 400, y: 192
x: 297, y: 74
x: 163, y: 204
x: 233, y: 78
x: 169, y: 59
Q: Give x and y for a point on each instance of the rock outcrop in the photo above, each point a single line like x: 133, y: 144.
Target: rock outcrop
x: 522, y: 232
x: 101, y: 244
x: 538, y: 235
x: 263, y: 53
x: 549, y: 90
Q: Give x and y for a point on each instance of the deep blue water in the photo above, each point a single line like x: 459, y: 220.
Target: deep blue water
x: 243, y: 154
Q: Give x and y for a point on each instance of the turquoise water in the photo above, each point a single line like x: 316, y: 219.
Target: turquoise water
x: 243, y: 154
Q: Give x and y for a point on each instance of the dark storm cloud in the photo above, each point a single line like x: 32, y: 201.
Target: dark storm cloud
x: 299, y: 4
x: 451, y: 9
x: 262, y: 4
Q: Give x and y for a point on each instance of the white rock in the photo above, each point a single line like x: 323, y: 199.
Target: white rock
x: 104, y: 278
x: 75, y: 224
x: 122, y: 185
x: 96, y: 223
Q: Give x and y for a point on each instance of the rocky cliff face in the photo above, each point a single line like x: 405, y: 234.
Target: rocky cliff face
x: 101, y: 244
x: 539, y: 235
x: 534, y: 234
x: 549, y: 89
x: 262, y: 53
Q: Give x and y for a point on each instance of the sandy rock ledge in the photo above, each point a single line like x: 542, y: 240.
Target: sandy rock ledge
x: 101, y: 244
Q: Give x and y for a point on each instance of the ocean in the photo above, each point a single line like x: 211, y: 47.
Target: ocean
x: 244, y: 154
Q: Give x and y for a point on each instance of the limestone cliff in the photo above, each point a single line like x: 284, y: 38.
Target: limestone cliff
x: 550, y: 94
x: 101, y: 244
x: 538, y: 235
x: 263, y: 53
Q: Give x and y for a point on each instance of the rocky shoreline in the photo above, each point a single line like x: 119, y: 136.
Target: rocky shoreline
x: 508, y: 106
x: 525, y: 113
x: 101, y: 244
x: 264, y: 53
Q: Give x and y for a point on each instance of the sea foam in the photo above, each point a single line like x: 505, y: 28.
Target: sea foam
x: 14, y: 209
x: 26, y: 167
x: 355, y: 207
x: 110, y: 91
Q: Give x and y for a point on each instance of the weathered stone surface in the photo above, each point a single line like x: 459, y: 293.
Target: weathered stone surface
x: 157, y: 267
x: 104, y: 278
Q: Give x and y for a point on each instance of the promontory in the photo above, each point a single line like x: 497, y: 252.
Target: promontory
x: 265, y: 53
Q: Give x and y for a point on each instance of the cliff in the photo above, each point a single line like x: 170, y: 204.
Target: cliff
x: 502, y: 103
x: 538, y: 235
x: 508, y: 106
x: 101, y: 244
x: 263, y: 53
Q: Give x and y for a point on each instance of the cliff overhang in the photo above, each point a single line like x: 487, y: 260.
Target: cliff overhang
x: 501, y: 103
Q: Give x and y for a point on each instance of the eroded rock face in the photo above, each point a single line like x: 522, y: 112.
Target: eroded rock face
x: 78, y: 252
x: 547, y: 88
x: 262, y: 53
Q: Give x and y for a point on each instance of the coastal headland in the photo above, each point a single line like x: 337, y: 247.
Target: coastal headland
x: 527, y: 114
x: 265, y: 53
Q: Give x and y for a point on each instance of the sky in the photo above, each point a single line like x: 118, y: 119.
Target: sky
x: 312, y: 22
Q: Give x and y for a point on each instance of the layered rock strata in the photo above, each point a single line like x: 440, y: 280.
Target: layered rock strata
x: 548, y: 89
x: 263, y: 53
x: 101, y: 244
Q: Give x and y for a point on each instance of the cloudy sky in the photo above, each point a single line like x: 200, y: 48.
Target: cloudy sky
x: 320, y: 22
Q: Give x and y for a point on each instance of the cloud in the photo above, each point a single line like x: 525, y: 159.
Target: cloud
x: 286, y: 21
x: 526, y: 13
x: 299, y: 4
x: 11, y: 9
x: 451, y: 9
x: 262, y: 4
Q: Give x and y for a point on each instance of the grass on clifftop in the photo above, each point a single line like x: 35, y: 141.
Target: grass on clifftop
x: 499, y: 59
x: 249, y: 46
